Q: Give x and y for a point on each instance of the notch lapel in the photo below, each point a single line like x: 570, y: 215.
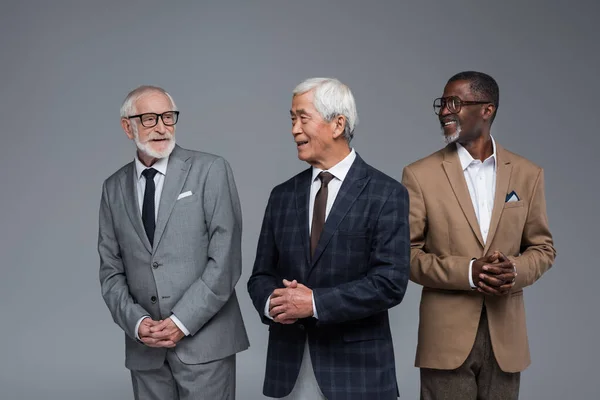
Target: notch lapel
x: 353, y: 185
x: 503, y: 172
x: 456, y: 176
x: 177, y: 172
x: 302, y: 191
x: 129, y: 192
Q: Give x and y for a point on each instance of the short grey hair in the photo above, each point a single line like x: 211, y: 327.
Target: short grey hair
x: 128, y: 106
x: 331, y: 99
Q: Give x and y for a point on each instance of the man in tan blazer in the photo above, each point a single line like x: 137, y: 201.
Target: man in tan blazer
x: 479, y: 235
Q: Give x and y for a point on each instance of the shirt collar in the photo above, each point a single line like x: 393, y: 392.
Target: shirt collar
x: 466, y: 159
x: 340, y: 170
x: 160, y: 166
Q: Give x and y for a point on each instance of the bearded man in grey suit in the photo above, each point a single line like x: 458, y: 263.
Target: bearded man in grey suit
x: 170, y: 257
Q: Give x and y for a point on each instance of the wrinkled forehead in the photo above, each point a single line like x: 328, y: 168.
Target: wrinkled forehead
x: 152, y: 101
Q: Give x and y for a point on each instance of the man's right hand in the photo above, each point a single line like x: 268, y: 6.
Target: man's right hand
x: 145, y: 335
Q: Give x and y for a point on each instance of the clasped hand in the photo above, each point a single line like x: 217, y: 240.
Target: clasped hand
x: 290, y: 303
x: 494, y: 274
x: 162, y: 333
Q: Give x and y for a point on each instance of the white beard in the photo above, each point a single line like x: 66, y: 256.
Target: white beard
x: 452, y: 138
x: 147, y: 149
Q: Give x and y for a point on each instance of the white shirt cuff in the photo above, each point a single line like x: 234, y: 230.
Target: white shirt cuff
x: 180, y: 325
x: 267, y: 309
x: 137, y: 326
x: 471, y: 275
x: 314, y: 306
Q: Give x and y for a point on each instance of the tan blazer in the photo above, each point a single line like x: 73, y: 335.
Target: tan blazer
x: 445, y: 236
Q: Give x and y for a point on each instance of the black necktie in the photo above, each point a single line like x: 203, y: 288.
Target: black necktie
x: 148, y: 206
x: 318, y: 220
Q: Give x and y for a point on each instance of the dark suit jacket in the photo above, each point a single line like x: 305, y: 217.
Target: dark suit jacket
x: 360, y: 269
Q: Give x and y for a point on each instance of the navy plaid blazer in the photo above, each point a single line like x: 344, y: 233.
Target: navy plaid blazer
x: 360, y: 269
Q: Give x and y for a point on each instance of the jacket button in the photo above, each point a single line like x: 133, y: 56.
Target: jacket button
x: 153, y: 299
x: 155, y: 265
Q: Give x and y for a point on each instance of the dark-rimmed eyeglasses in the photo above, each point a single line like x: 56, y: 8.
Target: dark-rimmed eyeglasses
x: 454, y: 104
x: 149, y: 120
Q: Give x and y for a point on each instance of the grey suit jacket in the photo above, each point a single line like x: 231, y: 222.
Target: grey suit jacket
x: 191, y: 271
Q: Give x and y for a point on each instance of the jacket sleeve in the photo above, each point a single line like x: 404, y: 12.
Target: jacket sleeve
x: 113, y: 282
x: 427, y: 269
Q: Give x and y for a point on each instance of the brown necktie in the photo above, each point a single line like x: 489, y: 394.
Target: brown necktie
x: 318, y: 220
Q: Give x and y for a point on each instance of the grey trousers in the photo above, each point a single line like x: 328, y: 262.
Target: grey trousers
x: 479, y: 378
x: 178, y: 381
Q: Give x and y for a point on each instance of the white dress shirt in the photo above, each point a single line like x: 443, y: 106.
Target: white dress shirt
x: 159, y: 180
x: 339, y: 172
x: 481, y: 181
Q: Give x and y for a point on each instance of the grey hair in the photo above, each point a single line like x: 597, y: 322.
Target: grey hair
x: 331, y: 99
x: 128, y: 106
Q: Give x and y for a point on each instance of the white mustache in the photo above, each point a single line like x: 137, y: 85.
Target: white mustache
x: 166, y: 136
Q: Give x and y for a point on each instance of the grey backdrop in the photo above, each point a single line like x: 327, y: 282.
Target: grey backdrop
x: 231, y: 66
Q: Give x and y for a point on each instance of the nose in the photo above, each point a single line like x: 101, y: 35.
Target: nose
x: 296, y: 127
x: 444, y: 110
x: 160, y: 127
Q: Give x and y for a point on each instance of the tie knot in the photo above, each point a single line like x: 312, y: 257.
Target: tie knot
x: 325, y: 178
x: 149, y: 173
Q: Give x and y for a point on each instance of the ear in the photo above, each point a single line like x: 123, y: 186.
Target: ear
x: 488, y: 112
x: 126, y: 125
x: 340, y: 124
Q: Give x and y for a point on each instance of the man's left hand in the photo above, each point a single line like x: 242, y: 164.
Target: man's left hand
x: 166, y: 330
x: 291, y: 303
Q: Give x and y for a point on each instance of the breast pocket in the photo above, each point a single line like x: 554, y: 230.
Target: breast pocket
x: 186, y: 200
x: 514, y: 204
x: 511, y: 225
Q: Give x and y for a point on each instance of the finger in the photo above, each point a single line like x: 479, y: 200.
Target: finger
x: 284, y: 316
x: 507, y: 278
x: 159, y: 327
x: 491, y: 280
x: 502, y: 256
x: 493, y: 257
x: 276, y: 311
x: 277, y: 302
x: 488, y: 289
x: 162, y: 335
x: 278, y: 293
x: 497, y: 269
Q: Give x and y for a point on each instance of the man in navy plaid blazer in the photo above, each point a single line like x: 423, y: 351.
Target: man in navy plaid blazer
x: 324, y: 288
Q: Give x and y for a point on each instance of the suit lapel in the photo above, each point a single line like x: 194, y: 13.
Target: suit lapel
x: 456, y: 176
x: 503, y: 172
x: 353, y: 185
x: 302, y: 191
x: 128, y: 188
x: 177, y: 172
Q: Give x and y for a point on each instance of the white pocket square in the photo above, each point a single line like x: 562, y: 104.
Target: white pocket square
x: 184, y: 194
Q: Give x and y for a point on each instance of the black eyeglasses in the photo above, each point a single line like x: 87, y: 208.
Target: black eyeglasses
x: 149, y: 120
x: 453, y: 103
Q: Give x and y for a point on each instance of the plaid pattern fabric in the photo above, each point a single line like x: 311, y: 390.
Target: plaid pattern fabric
x: 360, y: 269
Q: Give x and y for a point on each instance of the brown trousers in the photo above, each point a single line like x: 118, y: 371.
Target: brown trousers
x: 479, y: 378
